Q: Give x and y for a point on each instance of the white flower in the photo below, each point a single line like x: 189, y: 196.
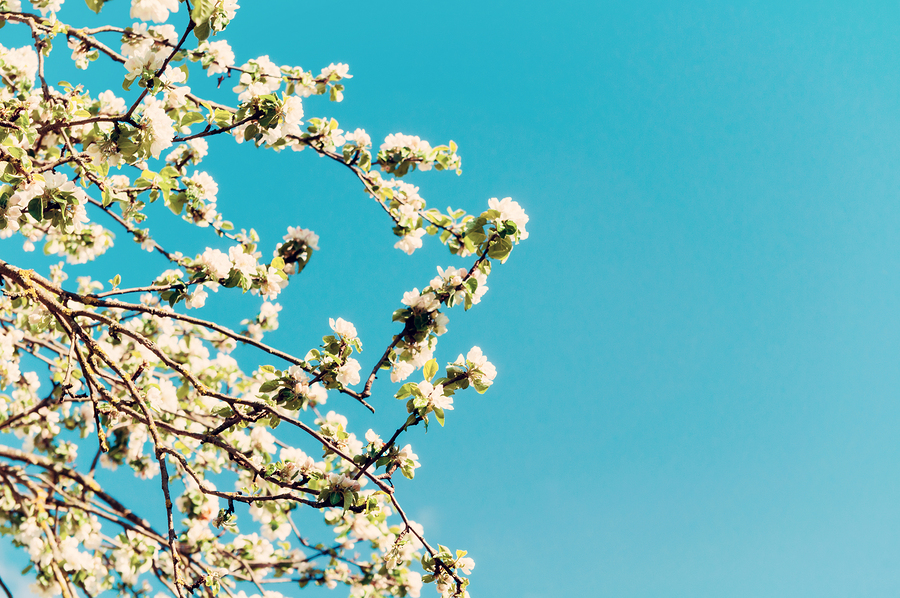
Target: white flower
x: 158, y: 125
x: 272, y: 283
x: 451, y: 277
x: 261, y: 438
x: 163, y: 395
x: 110, y: 103
x: 216, y: 262
x: 292, y: 111
x: 230, y: 7
x: 359, y: 138
x: 480, y: 369
x: 199, y: 147
x: 440, y: 323
x: 465, y: 564
x: 480, y: 362
x: 144, y: 59
x: 303, y: 235
x: 405, y: 454
x: 408, y: 213
x: 262, y: 76
x: 46, y: 6
x: 58, y: 181
x: 413, y: 584
x: 301, y: 379
x: 166, y: 32
x: 173, y: 75
x: 206, y: 186
x: 269, y: 310
x: 153, y: 10
x: 197, y: 299
x: 510, y: 210
x: 426, y: 302
x: 99, y: 155
x: 339, y: 70
x: 317, y: 394
x: 399, y: 140
x: 220, y: 56
x: 243, y: 262
x: 411, y: 242
x: 21, y: 61
x: 401, y: 370
x: 343, y: 328
x: 435, y: 395
x: 348, y: 373
x: 340, y: 481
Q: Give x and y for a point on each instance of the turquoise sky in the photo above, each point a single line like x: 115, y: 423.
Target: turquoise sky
x: 697, y: 347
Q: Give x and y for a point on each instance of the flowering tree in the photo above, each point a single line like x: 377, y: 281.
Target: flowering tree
x: 127, y: 374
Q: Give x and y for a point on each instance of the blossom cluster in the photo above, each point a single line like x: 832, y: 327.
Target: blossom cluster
x: 96, y: 375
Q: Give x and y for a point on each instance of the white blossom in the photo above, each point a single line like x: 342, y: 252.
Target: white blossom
x: 348, y: 373
x: 243, y: 262
x: 216, y: 262
x: 343, y: 328
x: 510, y: 210
x: 153, y: 10
x: 220, y: 56
x: 158, y: 126
x: 409, y: 243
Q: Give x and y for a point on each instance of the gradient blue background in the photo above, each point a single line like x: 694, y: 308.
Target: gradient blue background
x: 697, y: 347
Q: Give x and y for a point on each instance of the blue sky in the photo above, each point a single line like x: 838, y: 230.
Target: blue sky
x: 697, y: 346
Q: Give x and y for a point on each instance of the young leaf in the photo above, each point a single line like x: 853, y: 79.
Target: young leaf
x: 430, y: 369
x: 202, y: 10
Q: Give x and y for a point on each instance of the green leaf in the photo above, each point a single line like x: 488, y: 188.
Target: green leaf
x: 36, y: 208
x: 406, y: 390
x: 115, y: 280
x: 267, y: 368
x: 480, y: 387
x: 250, y: 132
x: 278, y: 263
x: 94, y: 5
x: 176, y: 204
x: 191, y: 118
x: 269, y: 386
x: 430, y: 369
x: 201, y: 32
x: 500, y: 248
x: 439, y: 416
x: 202, y: 10
x: 222, y: 117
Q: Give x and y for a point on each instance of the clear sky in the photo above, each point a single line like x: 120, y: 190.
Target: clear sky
x: 697, y: 347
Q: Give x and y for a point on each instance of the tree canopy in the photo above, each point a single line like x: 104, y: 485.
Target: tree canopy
x: 133, y: 377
